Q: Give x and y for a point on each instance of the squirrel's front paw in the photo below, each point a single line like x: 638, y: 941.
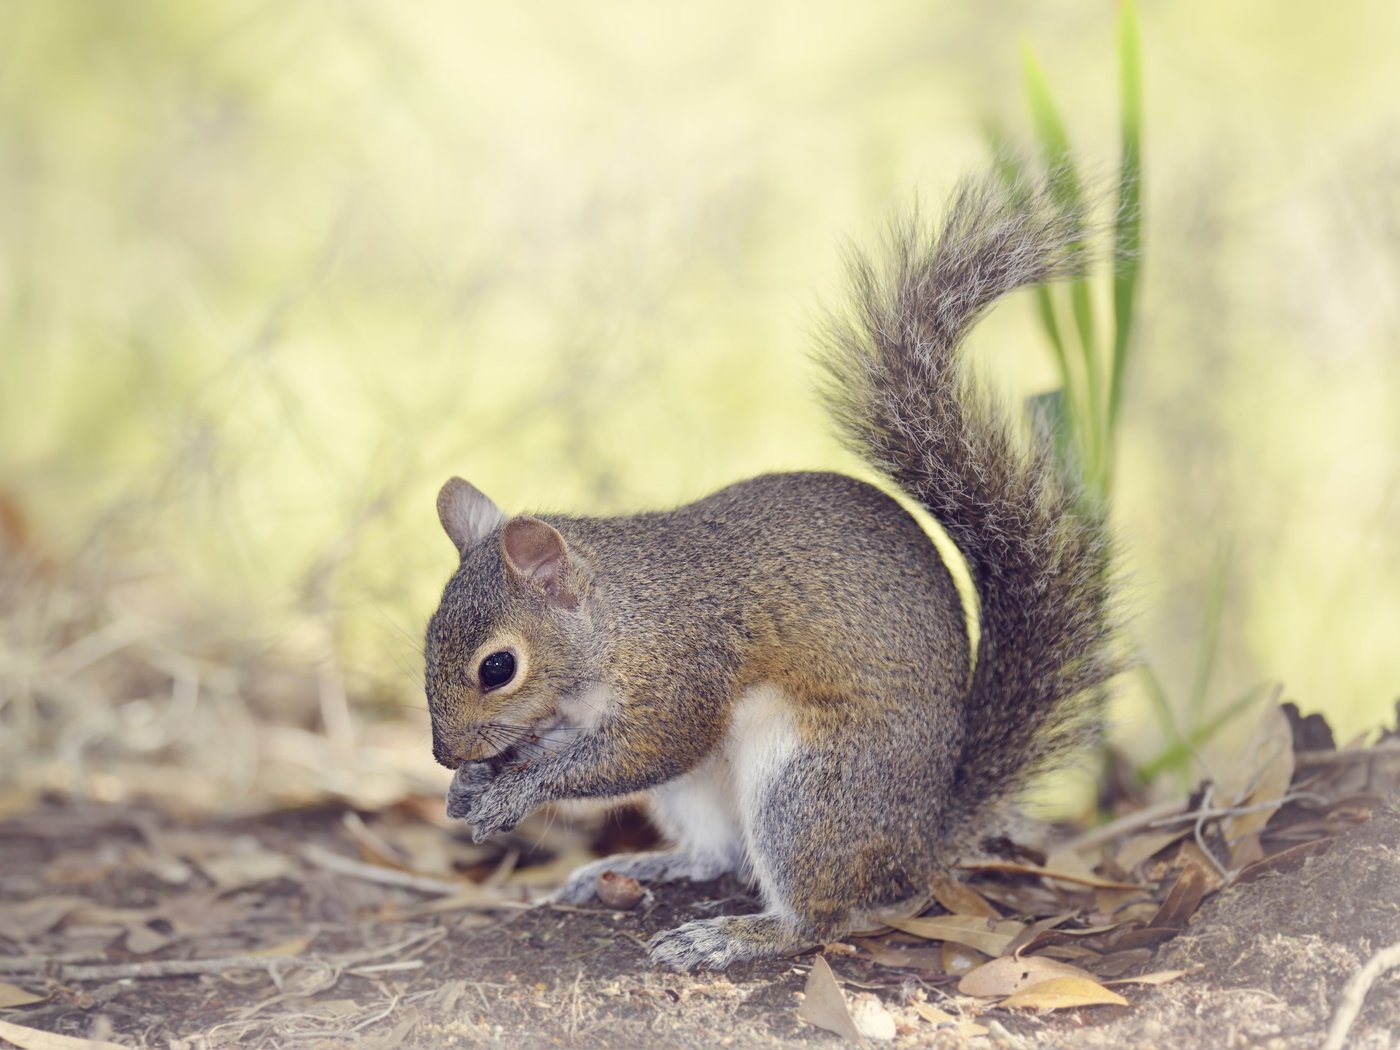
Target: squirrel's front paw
x: 468, y: 784
x: 486, y: 800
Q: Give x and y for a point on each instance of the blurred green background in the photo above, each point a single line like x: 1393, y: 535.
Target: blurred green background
x: 272, y: 271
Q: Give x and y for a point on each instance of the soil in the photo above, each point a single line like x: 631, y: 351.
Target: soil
x: 84, y: 887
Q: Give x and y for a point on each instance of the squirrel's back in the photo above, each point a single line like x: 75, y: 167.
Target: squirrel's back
x: 798, y: 571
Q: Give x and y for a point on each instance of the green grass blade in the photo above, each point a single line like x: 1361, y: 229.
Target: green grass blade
x: 1210, y: 628
x: 1127, y: 231
x: 1161, y: 705
x: 1046, y: 306
x: 1179, y: 754
x: 1049, y: 129
x: 1059, y: 163
x: 1082, y: 307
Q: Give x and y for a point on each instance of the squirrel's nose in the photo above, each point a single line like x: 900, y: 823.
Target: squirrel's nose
x: 450, y: 753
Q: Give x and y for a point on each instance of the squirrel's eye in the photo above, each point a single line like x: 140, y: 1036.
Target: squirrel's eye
x: 497, y: 669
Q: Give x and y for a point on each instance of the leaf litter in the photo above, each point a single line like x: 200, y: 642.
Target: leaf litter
x: 338, y: 919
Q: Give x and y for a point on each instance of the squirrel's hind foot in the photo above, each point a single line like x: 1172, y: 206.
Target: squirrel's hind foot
x: 716, y: 943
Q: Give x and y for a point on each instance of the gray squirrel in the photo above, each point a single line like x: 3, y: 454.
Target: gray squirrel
x: 784, y: 667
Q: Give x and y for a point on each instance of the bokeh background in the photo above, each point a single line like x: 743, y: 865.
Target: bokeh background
x: 271, y: 271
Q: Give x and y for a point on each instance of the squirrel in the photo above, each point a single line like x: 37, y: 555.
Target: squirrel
x: 784, y: 667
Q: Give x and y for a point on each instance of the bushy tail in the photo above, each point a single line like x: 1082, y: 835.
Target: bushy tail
x: 1039, y: 558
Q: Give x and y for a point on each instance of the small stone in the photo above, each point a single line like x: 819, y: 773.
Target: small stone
x: 872, y: 1020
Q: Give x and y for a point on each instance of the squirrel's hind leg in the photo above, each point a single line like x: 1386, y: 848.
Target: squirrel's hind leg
x: 715, y: 943
x: 696, y: 812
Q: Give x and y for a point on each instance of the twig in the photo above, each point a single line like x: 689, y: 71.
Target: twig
x: 1313, y: 759
x: 273, y: 964
x: 1353, y: 995
x: 1208, y: 812
x: 177, y: 967
x: 342, y: 865
x: 30, y: 963
x: 1146, y: 817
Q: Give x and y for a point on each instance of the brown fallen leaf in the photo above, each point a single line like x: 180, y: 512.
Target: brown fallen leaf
x: 1287, y: 860
x: 1146, y: 937
x: 1060, y: 993
x: 958, y: 898
x: 32, y: 918
x: 882, y: 954
x: 1182, y: 899
x: 1068, y: 952
x: 990, y: 936
x: 965, y: 1028
x: 1036, y: 932
x: 1261, y: 780
x: 1120, y: 962
x: 1009, y: 974
x: 1144, y: 846
x: 12, y: 996
x: 35, y: 1039
x: 294, y: 946
x: 824, y: 1004
x: 959, y: 958
x: 1010, y: 867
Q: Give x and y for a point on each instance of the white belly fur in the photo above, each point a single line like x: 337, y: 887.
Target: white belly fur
x: 708, y: 812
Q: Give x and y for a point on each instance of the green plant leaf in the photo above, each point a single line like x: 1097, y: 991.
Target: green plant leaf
x: 1127, y: 231
x: 1179, y: 755
x: 1051, y: 414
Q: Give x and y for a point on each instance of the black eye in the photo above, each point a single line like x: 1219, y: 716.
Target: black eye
x: 497, y: 669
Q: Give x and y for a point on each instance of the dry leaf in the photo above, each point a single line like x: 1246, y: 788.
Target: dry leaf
x: 1035, y: 932
x: 1059, y: 993
x: 1182, y: 899
x: 1286, y: 861
x: 958, y: 898
x: 965, y: 1028
x: 959, y: 958
x: 35, y: 1039
x: 824, y: 1004
x: 1119, y: 963
x: 295, y: 946
x: 12, y: 995
x: 1143, y: 937
x: 1143, y: 847
x: 1262, y: 778
x: 1067, y: 952
x: 1009, y: 974
x: 246, y: 867
x: 882, y: 954
x: 990, y: 936
x: 32, y: 918
x: 1010, y: 867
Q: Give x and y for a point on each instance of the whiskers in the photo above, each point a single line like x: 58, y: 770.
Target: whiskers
x: 516, y: 744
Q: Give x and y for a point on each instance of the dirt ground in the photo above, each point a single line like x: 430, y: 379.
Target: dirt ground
x: 95, y: 902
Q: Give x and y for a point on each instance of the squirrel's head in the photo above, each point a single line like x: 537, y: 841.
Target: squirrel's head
x: 511, y: 667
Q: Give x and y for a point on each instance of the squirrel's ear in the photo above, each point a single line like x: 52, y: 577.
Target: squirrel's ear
x: 466, y: 513
x: 537, y: 554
